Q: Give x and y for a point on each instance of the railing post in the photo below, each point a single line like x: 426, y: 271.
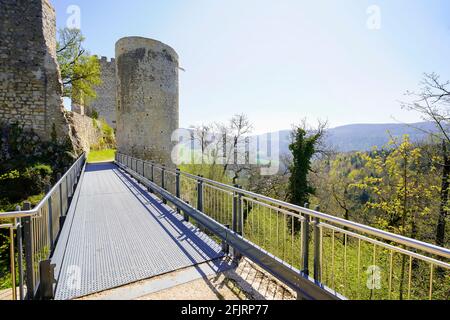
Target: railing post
x: 47, y: 280
x: 177, y: 186
x: 76, y: 176
x: 29, y: 252
x: 225, y: 246
x: 61, y: 213
x: 163, y: 181
x: 185, y: 215
x: 152, y: 172
x: 317, y: 245
x: 12, y: 263
x: 50, y: 219
x: 62, y: 217
x: 237, y: 219
x: 18, y: 223
x: 200, y: 194
x: 305, y: 242
x: 143, y: 168
x: 67, y: 184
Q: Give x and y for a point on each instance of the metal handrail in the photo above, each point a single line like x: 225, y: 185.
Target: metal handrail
x: 412, y: 243
x: 35, y: 210
x: 40, y: 228
x: 300, y: 237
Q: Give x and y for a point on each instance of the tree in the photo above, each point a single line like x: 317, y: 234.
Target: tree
x: 234, y: 136
x: 304, y: 147
x: 203, y: 135
x: 397, y: 183
x: 80, y: 71
x: 433, y: 103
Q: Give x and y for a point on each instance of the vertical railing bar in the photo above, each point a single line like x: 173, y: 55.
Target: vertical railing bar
x: 321, y: 253
x: 305, y: 240
x: 317, y: 259
x: 284, y: 236
x: 163, y: 181
x: 50, y: 219
x: 431, y: 280
x: 29, y: 252
x: 302, y: 230
x: 391, y: 267
x: 178, y: 186
x: 292, y: 239
x: 152, y: 172
x: 61, y: 209
x: 409, y: 277
x: 18, y: 223
x: 359, y: 268
x: 373, y: 270
x: 12, y: 260
x: 332, y: 261
x: 345, y: 263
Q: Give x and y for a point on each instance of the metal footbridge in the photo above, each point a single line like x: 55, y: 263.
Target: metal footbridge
x: 117, y: 233
x: 103, y: 226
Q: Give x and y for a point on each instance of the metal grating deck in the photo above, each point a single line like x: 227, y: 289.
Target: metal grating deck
x: 117, y: 233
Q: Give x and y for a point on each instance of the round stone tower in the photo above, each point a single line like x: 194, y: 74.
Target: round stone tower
x: 147, y: 98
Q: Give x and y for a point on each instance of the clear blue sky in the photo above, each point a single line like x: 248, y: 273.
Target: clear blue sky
x: 280, y: 61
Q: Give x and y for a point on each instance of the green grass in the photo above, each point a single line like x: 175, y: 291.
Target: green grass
x: 101, y: 155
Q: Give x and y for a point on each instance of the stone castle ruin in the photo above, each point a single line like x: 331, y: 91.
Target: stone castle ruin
x: 147, y: 98
x: 105, y: 103
x: 138, y: 95
x: 30, y: 83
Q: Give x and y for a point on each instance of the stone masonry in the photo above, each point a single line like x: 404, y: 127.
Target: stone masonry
x: 30, y: 83
x: 87, y: 130
x: 147, y: 98
x: 105, y: 103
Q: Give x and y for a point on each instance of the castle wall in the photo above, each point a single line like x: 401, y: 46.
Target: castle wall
x: 30, y: 83
x: 87, y: 130
x: 147, y: 98
x: 105, y: 103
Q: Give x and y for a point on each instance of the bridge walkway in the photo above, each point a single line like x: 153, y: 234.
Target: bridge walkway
x: 117, y: 233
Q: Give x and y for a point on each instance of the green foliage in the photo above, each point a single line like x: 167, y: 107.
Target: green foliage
x: 303, y: 148
x: 27, y: 163
x: 101, y: 155
x: 17, y: 184
x: 107, y: 139
x: 210, y: 171
x: 108, y: 134
x: 400, y: 194
x: 80, y: 71
x: 27, y: 166
x: 94, y: 114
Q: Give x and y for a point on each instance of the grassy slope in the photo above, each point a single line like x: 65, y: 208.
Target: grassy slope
x: 102, y: 155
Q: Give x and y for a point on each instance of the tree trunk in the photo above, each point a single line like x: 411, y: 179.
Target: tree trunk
x: 440, y: 229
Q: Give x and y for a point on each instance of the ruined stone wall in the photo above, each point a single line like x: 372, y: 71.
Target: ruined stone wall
x: 86, y: 130
x: 105, y: 103
x: 30, y: 83
x: 147, y: 98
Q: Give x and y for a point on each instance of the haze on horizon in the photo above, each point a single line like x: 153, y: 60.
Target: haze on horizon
x: 279, y: 62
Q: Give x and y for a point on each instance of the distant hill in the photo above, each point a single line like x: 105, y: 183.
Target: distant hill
x: 354, y: 137
x: 363, y: 137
